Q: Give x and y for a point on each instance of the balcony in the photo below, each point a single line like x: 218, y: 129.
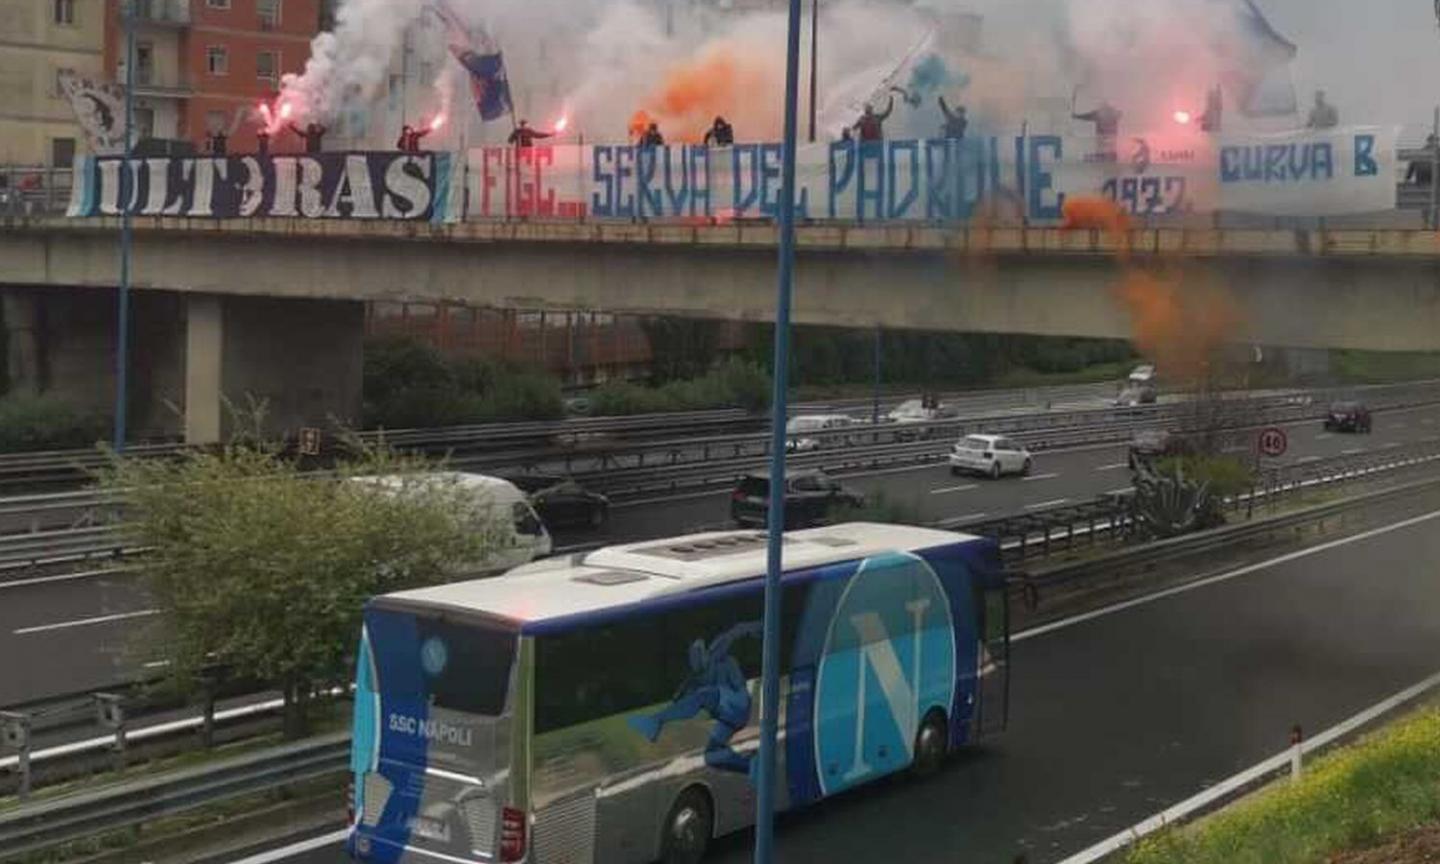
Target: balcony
x: 162, y: 13
x: 148, y: 82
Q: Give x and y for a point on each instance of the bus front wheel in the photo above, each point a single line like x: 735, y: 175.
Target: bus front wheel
x: 688, y: 828
x: 932, y: 745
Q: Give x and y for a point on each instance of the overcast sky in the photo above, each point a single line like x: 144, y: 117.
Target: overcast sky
x: 1379, y: 60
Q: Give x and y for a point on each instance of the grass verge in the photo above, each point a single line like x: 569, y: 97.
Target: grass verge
x: 1350, y: 799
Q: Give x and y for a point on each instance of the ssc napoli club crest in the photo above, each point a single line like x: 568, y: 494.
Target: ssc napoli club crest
x: 889, y: 660
x: 433, y: 656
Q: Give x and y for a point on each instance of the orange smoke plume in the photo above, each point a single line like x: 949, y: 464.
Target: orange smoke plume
x: 725, y: 82
x: 1176, y: 323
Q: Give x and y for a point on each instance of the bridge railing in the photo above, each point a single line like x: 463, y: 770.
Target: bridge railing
x: 34, y: 190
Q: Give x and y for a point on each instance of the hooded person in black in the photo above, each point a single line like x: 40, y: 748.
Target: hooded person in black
x: 721, y: 134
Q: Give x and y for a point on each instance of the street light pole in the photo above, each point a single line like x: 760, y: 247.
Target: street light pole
x: 815, y: 64
x: 770, y: 655
x: 127, y: 191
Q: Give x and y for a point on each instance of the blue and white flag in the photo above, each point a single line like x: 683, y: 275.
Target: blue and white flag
x: 1255, y: 62
x: 481, y: 57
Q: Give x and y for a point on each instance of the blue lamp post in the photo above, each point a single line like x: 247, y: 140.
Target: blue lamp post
x: 770, y: 663
x: 127, y: 180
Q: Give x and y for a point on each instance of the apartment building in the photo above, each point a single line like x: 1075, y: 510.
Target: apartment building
x: 39, y: 39
x: 202, y: 66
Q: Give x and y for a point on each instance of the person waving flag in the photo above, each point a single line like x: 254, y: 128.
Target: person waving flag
x: 481, y: 57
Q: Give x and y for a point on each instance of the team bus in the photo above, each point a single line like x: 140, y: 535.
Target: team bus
x: 604, y: 707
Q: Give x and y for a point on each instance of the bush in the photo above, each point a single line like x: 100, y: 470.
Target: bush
x: 46, y: 423
x: 262, y: 570
x: 734, y: 384
x: 409, y: 384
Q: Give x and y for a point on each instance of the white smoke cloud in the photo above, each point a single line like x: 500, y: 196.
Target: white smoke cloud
x: 598, y: 61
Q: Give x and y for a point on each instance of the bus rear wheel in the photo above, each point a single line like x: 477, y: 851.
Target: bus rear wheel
x: 688, y: 829
x: 932, y: 745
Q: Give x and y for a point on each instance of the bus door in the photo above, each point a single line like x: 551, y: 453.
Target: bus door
x: 994, y: 661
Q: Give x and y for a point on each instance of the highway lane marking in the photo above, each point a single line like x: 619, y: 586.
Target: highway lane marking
x: 85, y: 622
x: 1126, y: 491
x: 1324, y: 436
x: 1238, y: 782
x: 66, y: 577
x: 961, y: 520
x: 1303, y: 459
x: 1043, y: 504
x: 1353, y: 451
x: 1034, y: 477
x: 1390, y: 446
x: 948, y: 489
x: 1220, y: 577
x: 1117, y: 466
x: 297, y: 848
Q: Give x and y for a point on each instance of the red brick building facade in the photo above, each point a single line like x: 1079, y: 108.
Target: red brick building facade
x: 202, y: 64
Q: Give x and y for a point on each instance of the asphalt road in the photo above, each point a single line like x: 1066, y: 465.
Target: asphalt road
x: 1118, y: 716
x: 76, y: 633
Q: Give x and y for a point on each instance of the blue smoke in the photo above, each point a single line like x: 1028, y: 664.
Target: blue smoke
x: 928, y: 77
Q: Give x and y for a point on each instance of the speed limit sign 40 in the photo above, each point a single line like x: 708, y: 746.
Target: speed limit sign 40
x: 1273, y: 442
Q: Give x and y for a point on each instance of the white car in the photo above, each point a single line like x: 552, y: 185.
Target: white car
x: 991, y: 455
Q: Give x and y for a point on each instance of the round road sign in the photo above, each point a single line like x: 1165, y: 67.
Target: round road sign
x: 1273, y: 442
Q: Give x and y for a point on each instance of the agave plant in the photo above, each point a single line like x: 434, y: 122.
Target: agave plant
x: 1170, y: 503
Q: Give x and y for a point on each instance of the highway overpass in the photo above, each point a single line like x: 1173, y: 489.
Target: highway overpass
x: 232, y: 325
x: 1350, y: 288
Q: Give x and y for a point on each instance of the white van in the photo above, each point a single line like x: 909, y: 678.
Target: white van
x: 499, y: 499
x: 801, y: 427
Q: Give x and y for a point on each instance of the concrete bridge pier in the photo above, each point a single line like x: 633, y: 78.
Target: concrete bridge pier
x: 190, y: 354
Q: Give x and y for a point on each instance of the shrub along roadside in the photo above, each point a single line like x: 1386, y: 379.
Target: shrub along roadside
x: 1350, y: 799
x: 46, y: 423
x: 409, y: 384
x: 733, y: 384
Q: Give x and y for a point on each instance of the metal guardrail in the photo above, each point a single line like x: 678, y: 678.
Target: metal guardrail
x: 1113, y: 518
x: 47, y: 824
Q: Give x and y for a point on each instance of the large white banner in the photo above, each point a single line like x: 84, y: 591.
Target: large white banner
x: 1307, y: 173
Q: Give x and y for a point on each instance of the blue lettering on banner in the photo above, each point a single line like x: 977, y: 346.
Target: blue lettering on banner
x: 646, y: 197
x: 1277, y: 163
x: 1365, y: 163
x: 870, y: 153
x: 1146, y: 196
x: 899, y: 207
x: 1042, y: 181
x: 624, y: 168
x: 744, y: 181
x: 602, y: 202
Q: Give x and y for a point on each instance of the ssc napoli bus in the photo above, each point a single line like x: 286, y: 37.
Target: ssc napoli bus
x: 604, y: 707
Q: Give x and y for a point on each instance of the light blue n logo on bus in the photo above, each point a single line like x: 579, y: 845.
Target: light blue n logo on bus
x: 889, y: 659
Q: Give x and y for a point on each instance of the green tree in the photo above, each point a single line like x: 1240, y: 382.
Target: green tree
x: 261, y: 571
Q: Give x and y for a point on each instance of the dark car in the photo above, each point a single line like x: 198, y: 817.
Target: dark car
x: 561, y: 501
x: 810, y: 499
x: 1151, y: 444
x: 1348, y: 417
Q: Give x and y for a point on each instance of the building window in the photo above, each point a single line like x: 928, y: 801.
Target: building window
x: 267, y: 66
x: 218, y: 4
x: 62, y: 152
x: 144, y: 62
x: 269, y: 11
x: 64, y: 12
x: 217, y: 60
x: 214, y: 121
